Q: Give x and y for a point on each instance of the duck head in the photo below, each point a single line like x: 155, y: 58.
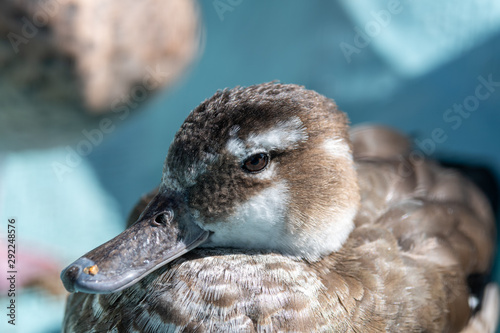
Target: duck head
x: 267, y: 167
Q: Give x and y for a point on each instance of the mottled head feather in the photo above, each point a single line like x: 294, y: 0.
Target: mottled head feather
x: 310, y: 175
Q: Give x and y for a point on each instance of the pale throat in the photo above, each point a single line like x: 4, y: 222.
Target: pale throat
x: 265, y: 222
x: 258, y: 223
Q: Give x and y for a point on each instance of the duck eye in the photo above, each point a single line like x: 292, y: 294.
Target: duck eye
x: 256, y: 163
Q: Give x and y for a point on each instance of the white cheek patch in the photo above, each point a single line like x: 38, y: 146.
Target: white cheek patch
x: 286, y: 134
x: 263, y: 223
x: 258, y: 223
x: 337, y: 147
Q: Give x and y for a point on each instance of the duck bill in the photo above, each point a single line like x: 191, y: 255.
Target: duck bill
x: 163, y: 232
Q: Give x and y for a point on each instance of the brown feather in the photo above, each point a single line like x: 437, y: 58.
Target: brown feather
x: 421, y: 230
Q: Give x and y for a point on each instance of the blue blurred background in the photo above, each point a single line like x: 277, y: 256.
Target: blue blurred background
x: 400, y: 63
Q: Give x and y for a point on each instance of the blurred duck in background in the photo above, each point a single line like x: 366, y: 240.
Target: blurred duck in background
x: 71, y: 72
x: 63, y: 63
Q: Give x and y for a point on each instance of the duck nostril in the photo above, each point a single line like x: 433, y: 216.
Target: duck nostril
x: 163, y: 218
x: 160, y: 219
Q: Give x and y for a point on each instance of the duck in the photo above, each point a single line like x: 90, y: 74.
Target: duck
x: 272, y: 215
